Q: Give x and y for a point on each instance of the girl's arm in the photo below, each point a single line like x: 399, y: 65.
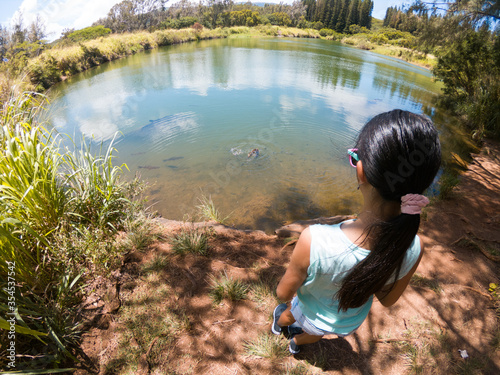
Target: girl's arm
x: 390, y: 299
x: 296, y: 272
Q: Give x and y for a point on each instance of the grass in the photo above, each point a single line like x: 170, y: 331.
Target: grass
x: 426, y: 350
x: 60, y: 211
x: 422, y: 281
x: 208, y: 211
x: 193, y: 241
x: 157, y: 264
x: 297, y: 369
x: 268, y: 345
x: 226, y: 287
x: 140, y: 232
x: 447, y: 183
x: 150, y: 327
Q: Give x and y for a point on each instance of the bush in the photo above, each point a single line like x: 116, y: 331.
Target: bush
x: 180, y: 23
x: 318, y: 25
x: 197, y: 27
x: 326, y: 32
x: 88, y: 33
x: 43, y: 72
x: 379, y: 39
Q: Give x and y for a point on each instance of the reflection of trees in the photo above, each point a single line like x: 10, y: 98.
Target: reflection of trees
x: 396, y: 81
x: 338, y: 71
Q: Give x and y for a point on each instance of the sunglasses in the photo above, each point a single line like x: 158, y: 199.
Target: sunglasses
x: 353, y: 156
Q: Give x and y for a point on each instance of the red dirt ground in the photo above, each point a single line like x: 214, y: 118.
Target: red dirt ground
x: 448, y: 309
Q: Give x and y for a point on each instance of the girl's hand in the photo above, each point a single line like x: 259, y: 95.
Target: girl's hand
x: 296, y: 272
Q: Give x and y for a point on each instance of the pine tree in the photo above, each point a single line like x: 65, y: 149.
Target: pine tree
x: 365, y: 16
x: 342, y: 20
x: 353, y: 14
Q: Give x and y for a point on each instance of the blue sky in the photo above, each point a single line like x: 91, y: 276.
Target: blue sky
x: 60, y: 14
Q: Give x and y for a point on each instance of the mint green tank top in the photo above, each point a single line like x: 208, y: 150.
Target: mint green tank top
x: 333, y: 255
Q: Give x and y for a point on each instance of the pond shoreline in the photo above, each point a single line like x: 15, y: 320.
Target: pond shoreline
x: 58, y: 64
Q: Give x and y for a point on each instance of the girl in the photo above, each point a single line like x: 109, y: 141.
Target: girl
x: 335, y: 270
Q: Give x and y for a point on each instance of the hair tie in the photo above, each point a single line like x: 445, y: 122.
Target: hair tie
x: 412, y: 204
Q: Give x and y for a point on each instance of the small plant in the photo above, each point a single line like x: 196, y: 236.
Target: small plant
x: 424, y: 282
x: 208, y: 211
x: 495, y: 295
x: 268, y: 346
x: 297, y: 369
x: 446, y: 184
x: 227, y: 287
x: 190, y: 241
x: 140, y: 232
x: 157, y: 264
x: 263, y: 295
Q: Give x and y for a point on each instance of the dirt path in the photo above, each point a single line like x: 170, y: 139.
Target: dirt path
x: 162, y: 320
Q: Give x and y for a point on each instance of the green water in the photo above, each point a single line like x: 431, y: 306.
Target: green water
x: 189, y: 114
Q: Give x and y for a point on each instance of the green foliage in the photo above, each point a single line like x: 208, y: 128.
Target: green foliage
x: 208, y: 211
x: 268, y: 346
x: 98, y: 197
x: 280, y: 19
x: 227, y: 287
x: 470, y: 71
x: 88, y: 33
x: 339, y: 15
x: 193, y: 241
x: 326, y: 32
x: 58, y: 211
x: 180, y: 23
x: 43, y: 72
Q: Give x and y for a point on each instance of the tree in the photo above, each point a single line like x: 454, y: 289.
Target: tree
x: 342, y: 19
x: 19, y: 32
x: 216, y: 8
x: 130, y: 15
x: 353, y: 14
x: 37, y: 30
x: 365, y: 14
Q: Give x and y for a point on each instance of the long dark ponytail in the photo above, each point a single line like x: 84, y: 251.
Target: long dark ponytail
x: 401, y: 154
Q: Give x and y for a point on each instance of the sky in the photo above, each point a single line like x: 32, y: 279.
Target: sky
x: 77, y: 14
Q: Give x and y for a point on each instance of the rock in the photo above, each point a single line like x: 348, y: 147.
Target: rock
x: 296, y: 228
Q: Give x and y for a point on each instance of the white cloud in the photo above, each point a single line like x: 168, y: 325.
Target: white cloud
x: 61, y: 14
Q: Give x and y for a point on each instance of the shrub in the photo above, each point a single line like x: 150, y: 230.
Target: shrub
x: 88, y: 33
x: 326, y: 32
x: 43, y: 72
x: 227, y: 287
x: 197, y: 26
x: 190, y: 241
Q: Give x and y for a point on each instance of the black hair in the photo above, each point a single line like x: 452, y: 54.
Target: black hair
x: 401, y: 154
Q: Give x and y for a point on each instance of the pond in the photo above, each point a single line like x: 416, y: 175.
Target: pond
x: 189, y: 115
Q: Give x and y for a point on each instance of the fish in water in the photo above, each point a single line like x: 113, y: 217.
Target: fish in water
x: 254, y: 153
x: 148, y: 167
x: 174, y: 158
x: 172, y: 166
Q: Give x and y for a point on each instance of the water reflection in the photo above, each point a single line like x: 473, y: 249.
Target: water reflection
x: 181, y: 110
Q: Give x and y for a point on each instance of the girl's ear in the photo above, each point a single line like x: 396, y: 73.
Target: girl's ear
x: 360, y: 173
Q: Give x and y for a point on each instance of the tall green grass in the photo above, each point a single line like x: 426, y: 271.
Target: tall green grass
x: 60, y: 209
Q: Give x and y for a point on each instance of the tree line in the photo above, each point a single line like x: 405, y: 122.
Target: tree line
x: 339, y: 15
x: 465, y: 37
